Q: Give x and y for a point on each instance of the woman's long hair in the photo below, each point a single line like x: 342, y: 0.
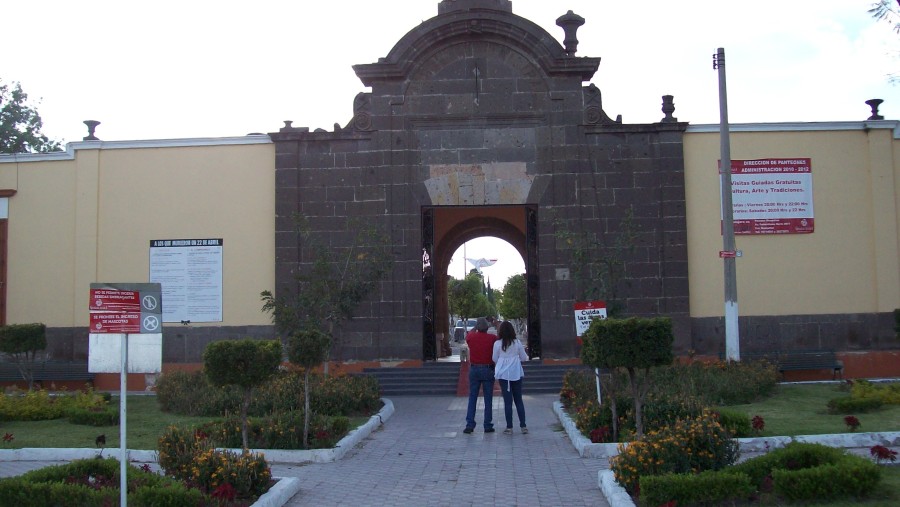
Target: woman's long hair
x: 507, y: 333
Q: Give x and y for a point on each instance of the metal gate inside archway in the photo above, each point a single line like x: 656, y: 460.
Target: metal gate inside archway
x: 446, y: 228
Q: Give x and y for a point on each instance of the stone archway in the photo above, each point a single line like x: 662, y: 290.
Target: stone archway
x: 450, y: 227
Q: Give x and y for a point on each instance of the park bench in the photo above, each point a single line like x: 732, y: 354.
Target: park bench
x: 797, y: 360
x: 811, y: 360
x: 48, y: 371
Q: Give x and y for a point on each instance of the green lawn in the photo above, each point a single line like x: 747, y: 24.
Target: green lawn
x: 145, y: 424
x: 800, y: 409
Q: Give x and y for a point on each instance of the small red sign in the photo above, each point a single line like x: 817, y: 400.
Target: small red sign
x: 725, y: 254
x: 111, y: 300
x: 116, y: 322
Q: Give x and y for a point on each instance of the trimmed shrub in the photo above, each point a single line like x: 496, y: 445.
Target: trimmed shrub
x: 888, y: 393
x: 712, y: 487
x: 793, y: 456
x: 94, y: 482
x: 32, y: 406
x: 283, y: 430
x: 850, y: 476
x: 99, y: 416
x: 851, y: 405
x: 737, y: 423
x: 191, y: 393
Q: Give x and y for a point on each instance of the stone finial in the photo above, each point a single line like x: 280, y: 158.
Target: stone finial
x: 91, y: 125
x: 570, y: 22
x: 874, y: 103
x: 668, y: 107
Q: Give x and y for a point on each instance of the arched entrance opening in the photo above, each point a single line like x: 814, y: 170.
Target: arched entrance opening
x: 444, y: 230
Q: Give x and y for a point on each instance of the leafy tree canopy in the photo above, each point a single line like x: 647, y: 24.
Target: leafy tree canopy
x: 20, y: 123
x: 513, y: 303
x: 467, y: 298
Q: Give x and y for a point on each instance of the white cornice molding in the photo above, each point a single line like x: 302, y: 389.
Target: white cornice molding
x: 69, y: 154
x: 801, y: 126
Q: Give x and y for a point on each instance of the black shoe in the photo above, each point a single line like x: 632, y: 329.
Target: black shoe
x: 489, y: 430
x: 468, y: 430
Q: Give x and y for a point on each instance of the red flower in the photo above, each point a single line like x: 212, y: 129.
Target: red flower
x: 880, y: 452
x: 599, y: 435
x: 758, y: 423
x: 852, y: 422
x: 224, y: 491
x: 8, y: 437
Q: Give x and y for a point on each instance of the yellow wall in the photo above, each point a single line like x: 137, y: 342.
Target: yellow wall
x: 88, y: 215
x: 91, y: 219
x: 850, y: 264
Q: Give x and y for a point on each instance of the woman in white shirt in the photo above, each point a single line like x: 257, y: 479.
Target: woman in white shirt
x: 508, y: 356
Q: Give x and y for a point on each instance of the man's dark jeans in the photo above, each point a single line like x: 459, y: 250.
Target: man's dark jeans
x: 480, y: 377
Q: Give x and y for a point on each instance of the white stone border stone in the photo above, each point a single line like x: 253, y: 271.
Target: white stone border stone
x: 618, y: 497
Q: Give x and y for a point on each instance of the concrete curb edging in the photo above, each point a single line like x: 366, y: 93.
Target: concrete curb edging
x: 279, y: 494
x: 585, y: 448
x: 614, y: 493
x: 618, y: 497
x: 272, y: 455
x: 338, y: 451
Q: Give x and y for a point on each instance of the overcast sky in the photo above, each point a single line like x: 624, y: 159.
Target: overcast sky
x: 190, y: 68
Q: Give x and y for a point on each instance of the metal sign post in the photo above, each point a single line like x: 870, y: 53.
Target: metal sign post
x: 125, y: 309
x: 123, y: 447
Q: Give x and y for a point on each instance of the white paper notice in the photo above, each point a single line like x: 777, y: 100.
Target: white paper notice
x: 190, y: 272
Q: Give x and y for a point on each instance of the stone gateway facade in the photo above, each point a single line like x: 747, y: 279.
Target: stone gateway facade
x: 480, y: 121
x: 477, y: 123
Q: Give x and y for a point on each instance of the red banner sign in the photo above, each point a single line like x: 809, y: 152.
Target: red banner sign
x: 108, y: 300
x: 116, y: 322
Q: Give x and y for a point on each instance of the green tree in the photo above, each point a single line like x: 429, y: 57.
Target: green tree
x: 466, y: 297
x: 244, y: 363
x: 20, y: 124
x: 631, y: 344
x: 307, y: 349
x: 331, y: 281
x: 598, y: 266
x: 21, y: 343
x: 513, y: 302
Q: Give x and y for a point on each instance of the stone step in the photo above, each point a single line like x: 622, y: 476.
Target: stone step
x: 442, y: 378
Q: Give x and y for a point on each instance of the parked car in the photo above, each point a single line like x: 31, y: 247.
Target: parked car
x: 462, y: 327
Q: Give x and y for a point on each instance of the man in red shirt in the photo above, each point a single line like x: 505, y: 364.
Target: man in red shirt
x: 481, y: 374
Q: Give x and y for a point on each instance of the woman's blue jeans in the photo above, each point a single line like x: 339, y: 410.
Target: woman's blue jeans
x: 512, y: 391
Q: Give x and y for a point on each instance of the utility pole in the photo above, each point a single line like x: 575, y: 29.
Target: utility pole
x: 729, y: 254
